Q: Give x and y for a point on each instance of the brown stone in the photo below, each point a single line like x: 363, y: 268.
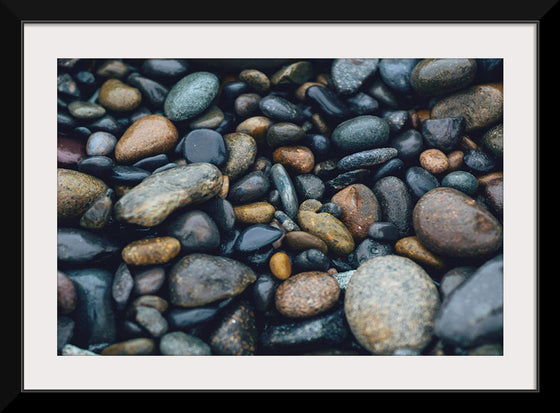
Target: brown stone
x: 69, y: 151
x: 117, y: 96
x: 455, y: 160
x: 296, y: 159
x: 280, y: 265
x: 256, y: 79
x: 480, y: 105
x: 113, y: 68
x: 467, y: 143
x: 255, y: 126
x: 236, y: 333
x: 132, y: 347
x: 307, y: 294
x: 422, y: 115
x: 434, y: 161
x: 299, y: 93
x: 150, y: 251
x: 301, y: 241
x: 225, y: 187
x: 76, y: 192
x: 483, y: 180
x: 331, y: 230
x: 148, y: 300
x: 310, y: 204
x: 67, y: 297
x: 150, y: 135
x: 359, y: 208
x: 254, y: 213
x: 321, y: 125
x: 412, y: 248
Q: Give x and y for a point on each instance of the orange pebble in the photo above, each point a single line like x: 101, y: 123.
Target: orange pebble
x: 280, y: 265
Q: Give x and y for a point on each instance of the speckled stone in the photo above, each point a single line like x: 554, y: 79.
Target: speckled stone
x: 236, y: 332
x: 288, y: 195
x: 366, y: 159
x: 255, y: 126
x: 191, y: 96
x: 396, y: 73
x: 69, y: 152
x: 360, y: 209
x: 396, y: 204
x: 200, y: 279
x: 494, y: 196
x: 148, y: 136
x: 391, y: 304
x: 444, y: 133
x: 178, y: 343
x: 151, y: 251
x: 151, y: 320
x: 132, y: 347
x: 439, y: 76
x: 450, y: 223
x: 257, y: 80
x: 480, y: 105
x: 100, y: 143
x: 462, y: 181
x: 211, y: 118
x: 348, y: 75
x: 149, y: 280
x: 122, y: 286
x: 117, y: 96
x: 280, y: 265
x: 242, y: 149
x: 78, y: 246
x: 293, y: 74
x: 296, y: 159
x: 361, y: 133
x: 331, y: 230
x: 284, y: 134
x: 434, y: 161
x: 85, y: 110
x: 412, y: 248
x: 254, y: 213
x: 76, y: 192
x: 157, y: 196
x: 307, y: 294
x: 493, y: 140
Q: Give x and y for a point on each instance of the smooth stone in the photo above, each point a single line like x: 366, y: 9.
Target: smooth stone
x: 455, y: 159
x: 344, y: 179
x: 366, y: 159
x: 164, y: 69
x: 396, y: 73
x: 393, y: 167
x: 69, y: 152
x: 112, y: 68
x: 148, y: 136
x: 122, y: 286
x: 327, y: 102
x: 462, y: 181
x: 178, y: 343
x: 293, y: 337
x: 127, y: 175
x: 66, y: 296
x: 296, y: 159
x: 255, y: 126
x: 453, y: 278
x: 98, y: 214
x: 420, y: 180
x: 205, y: 145
x: 443, y: 133
x: 167, y: 166
x: 222, y: 213
x: 76, y: 192
x: 148, y: 281
x: 473, y: 313
x: 94, y: 316
x: 256, y: 237
x: 64, y: 332
x: 480, y: 105
x: 285, y: 221
x: 384, y: 231
x: 249, y: 188
x: 301, y: 241
x: 412, y: 248
x: 106, y: 123
x: 78, y: 246
x: 254, y: 213
x: 153, y: 93
x: 152, y: 320
x: 348, y: 75
x: 360, y: 133
x: 478, y: 162
x: 100, y: 143
x: 67, y: 87
x: 186, y: 318
x: 262, y: 294
x: 331, y: 208
x: 395, y: 200
x: 200, y: 279
x: 151, y: 251
x: 229, y: 239
x: 157, y: 196
x: 450, y: 223
x: 440, y: 76
x: 153, y: 301
x: 280, y: 109
x: 133, y: 347
x: 230, y: 90
x: 284, y: 134
x: 494, y: 196
x: 293, y: 74
x: 360, y: 209
x: 493, y: 140
x: 434, y: 161
x: 191, y: 96
x: 236, y: 332
x: 398, y: 120
x: 309, y: 186
x: 383, y: 94
x: 85, y: 110
x: 211, y: 118
x: 247, y: 105
x: 332, y: 231
x: 368, y: 249
x: 288, y: 195
x: 408, y: 144
x: 306, y: 294
x: 195, y: 230
x: 117, y: 96
x: 71, y: 350
x: 242, y: 150
x: 319, y: 144
x: 362, y: 104
x: 139, y: 113
x: 151, y: 163
x: 280, y: 265
x: 65, y: 122
x: 390, y: 304
x: 257, y: 80
x: 259, y: 259
x: 311, y: 260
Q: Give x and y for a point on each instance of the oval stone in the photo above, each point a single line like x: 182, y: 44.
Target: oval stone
x: 242, y: 150
x: 331, y: 230
x: 117, y: 96
x: 195, y: 230
x: 361, y: 133
x: 157, y: 196
x: 200, y: 279
x: 148, y: 136
x: 254, y: 213
x: 301, y: 241
x: 151, y: 251
x: 191, y: 96
x: 438, y: 76
x: 205, y: 145
x: 76, y: 192
x: 450, y: 223
x: 307, y: 294
x: 391, y: 304
x: 296, y: 159
x: 78, y: 246
x: 396, y: 203
x: 360, y: 209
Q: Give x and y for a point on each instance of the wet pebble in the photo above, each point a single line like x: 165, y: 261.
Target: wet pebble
x: 191, y: 96
x: 151, y: 251
x: 360, y: 133
x: 195, y: 231
x: 178, y: 343
x: 348, y: 75
x: 118, y: 96
x: 366, y: 159
x: 205, y: 145
x: 462, y: 181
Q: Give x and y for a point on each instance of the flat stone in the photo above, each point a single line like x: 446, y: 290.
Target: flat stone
x: 157, y: 196
x: 132, y: 347
x: 152, y: 320
x: 151, y: 251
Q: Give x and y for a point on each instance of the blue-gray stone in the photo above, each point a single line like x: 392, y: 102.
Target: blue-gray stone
x: 462, y: 181
x: 478, y: 161
x: 249, y: 188
x: 396, y: 73
x: 420, y: 181
x: 280, y: 109
x: 80, y: 246
x: 444, y: 134
x: 361, y: 133
x: 309, y: 186
x: 348, y: 75
x: 368, y: 249
x: 366, y: 159
x: 286, y: 189
x: 473, y: 312
x: 178, y: 343
x: 101, y: 143
x: 396, y: 203
x: 191, y: 96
